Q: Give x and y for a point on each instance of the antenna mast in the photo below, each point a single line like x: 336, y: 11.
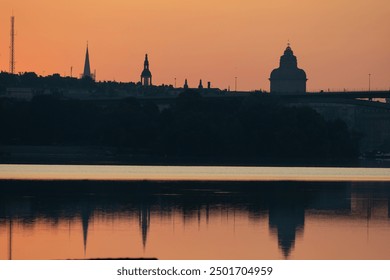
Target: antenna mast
x: 12, y: 47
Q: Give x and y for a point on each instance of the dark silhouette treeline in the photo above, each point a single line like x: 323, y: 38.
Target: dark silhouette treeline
x: 259, y: 126
x: 249, y: 128
x: 58, y: 85
x: 32, y: 80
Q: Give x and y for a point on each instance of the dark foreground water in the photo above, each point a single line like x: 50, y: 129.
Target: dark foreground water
x: 194, y: 220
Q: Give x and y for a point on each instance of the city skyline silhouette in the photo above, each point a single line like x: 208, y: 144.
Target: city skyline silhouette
x: 197, y: 41
x: 195, y: 129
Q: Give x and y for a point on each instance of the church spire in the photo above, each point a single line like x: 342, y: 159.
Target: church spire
x: 87, y: 67
x: 146, y: 75
x: 146, y: 63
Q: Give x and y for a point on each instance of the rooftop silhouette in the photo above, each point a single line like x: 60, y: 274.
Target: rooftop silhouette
x: 288, y: 78
x: 146, y: 75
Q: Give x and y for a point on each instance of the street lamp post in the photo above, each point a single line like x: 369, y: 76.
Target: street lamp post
x: 369, y: 82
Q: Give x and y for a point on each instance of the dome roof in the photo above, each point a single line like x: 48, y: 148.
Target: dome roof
x: 288, y: 74
x: 288, y: 68
x: 146, y: 73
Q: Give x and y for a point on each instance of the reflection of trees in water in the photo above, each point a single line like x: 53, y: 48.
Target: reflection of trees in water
x: 284, y: 202
x: 371, y: 200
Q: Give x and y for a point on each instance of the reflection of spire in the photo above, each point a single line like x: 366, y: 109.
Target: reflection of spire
x: 234, y: 220
x: 10, y: 239
x: 173, y: 221
x: 144, y: 223
x: 69, y: 229
x: 369, y: 213
x: 199, y: 217
x: 388, y: 207
x: 207, y: 214
x: 85, y: 218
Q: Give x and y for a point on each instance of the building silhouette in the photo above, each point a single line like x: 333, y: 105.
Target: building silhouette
x: 87, y: 67
x: 146, y: 76
x: 200, y: 84
x: 288, y: 78
x: 185, y: 84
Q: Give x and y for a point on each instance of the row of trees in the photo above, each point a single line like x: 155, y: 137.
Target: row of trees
x: 256, y: 127
x: 56, y: 83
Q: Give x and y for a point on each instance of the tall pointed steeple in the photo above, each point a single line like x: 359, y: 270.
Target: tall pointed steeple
x: 87, y: 67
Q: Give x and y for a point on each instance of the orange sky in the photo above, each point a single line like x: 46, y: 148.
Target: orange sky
x: 337, y: 42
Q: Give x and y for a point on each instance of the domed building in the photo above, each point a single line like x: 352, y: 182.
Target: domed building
x: 288, y: 78
x: 146, y: 75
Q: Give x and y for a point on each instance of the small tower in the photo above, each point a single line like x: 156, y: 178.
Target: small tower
x: 185, y: 84
x: 200, y: 84
x: 146, y: 76
x: 288, y: 78
x: 87, y: 67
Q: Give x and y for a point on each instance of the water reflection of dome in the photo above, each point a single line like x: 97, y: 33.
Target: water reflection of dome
x: 287, y: 222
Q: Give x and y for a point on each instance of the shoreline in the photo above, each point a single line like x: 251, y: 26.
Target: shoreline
x: 142, y: 173
x: 98, y: 155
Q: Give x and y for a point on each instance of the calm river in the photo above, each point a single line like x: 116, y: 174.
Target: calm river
x: 92, y: 212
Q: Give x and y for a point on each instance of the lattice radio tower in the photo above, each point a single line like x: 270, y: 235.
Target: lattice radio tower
x: 12, y: 47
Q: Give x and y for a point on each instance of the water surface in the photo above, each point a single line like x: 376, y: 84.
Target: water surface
x: 263, y: 219
x: 205, y: 220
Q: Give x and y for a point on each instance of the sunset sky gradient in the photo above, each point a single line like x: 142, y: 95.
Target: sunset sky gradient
x: 337, y: 42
